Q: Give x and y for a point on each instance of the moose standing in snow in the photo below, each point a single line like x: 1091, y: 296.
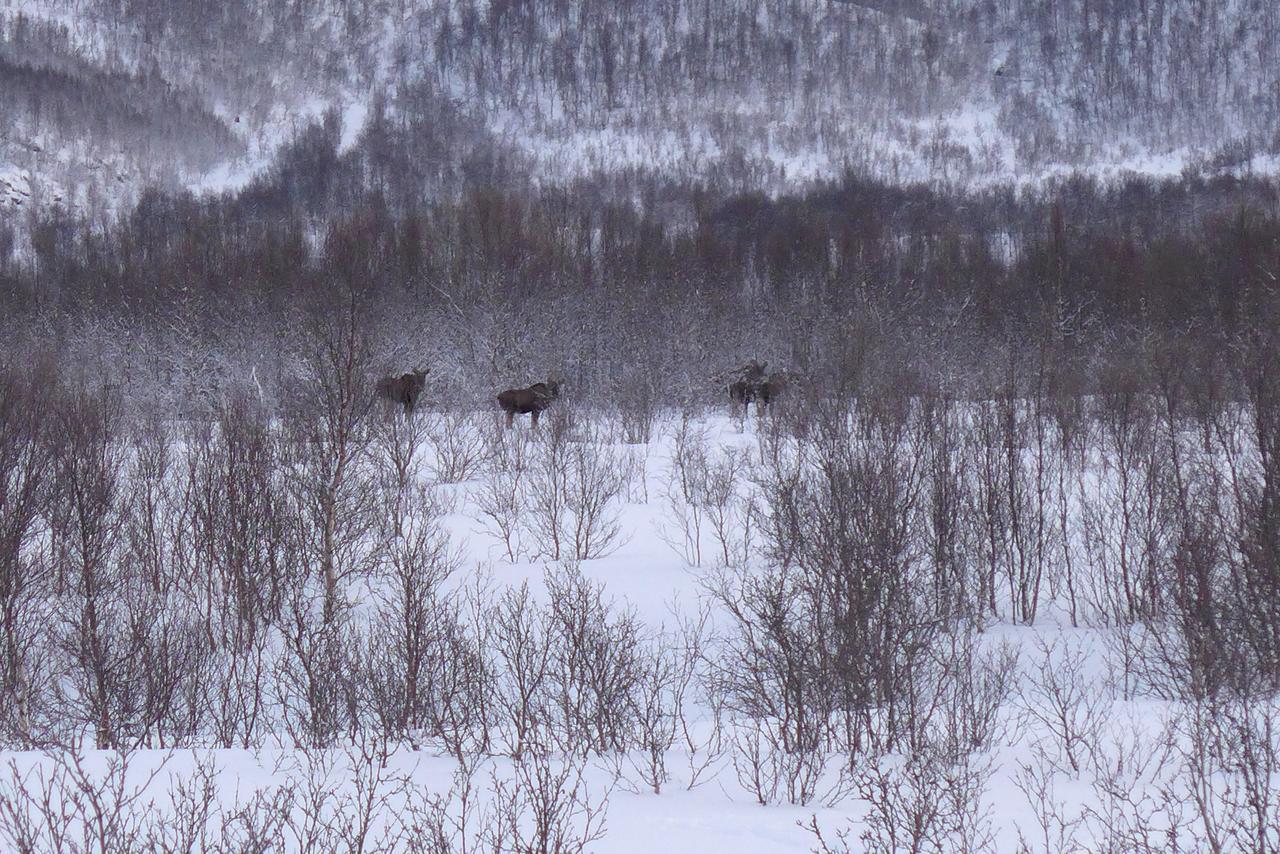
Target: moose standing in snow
x: 534, y: 399
x: 405, y: 389
x: 751, y: 383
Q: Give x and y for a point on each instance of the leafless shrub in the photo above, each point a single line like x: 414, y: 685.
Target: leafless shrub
x: 635, y: 471
x: 459, y: 441
x: 662, y: 701
x: 923, y: 804
x: 351, y: 800
x: 1057, y: 827
x: 346, y: 800
x: 547, y: 805
x: 192, y: 821
x: 709, y: 495
x: 1217, y: 628
x: 314, y: 674
x: 231, y: 555
x: 516, y: 638
x: 502, y: 497
x: 1187, y: 652
x: 597, y: 480
x: 653, y: 708
x: 165, y: 620
x: 549, y: 516
x: 331, y: 480
x: 574, y: 487
x: 595, y: 668
x: 636, y: 401
x: 689, y: 461
x: 398, y: 448
x: 846, y: 597
x: 826, y: 648
x: 460, y: 683
x: 234, y: 690
x: 258, y: 824
x: 969, y: 690
x: 1228, y: 756
x: 1129, y: 525
x: 1136, y: 807
x: 538, y: 804
x: 702, y: 740
x: 1066, y: 407
x: 27, y: 452
x: 343, y: 801
x: 334, y: 512
x: 62, y: 803
x: 1067, y: 704
x: 731, y: 511
x: 422, y: 667
x: 776, y: 763
x: 1011, y: 467
x: 239, y: 534
x: 779, y: 701
x: 955, y: 585
x: 448, y: 822
x: 777, y: 435
x: 1254, y: 591
x: 106, y: 614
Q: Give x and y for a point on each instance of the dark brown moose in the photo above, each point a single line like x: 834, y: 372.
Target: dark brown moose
x: 405, y: 389
x: 751, y: 383
x: 534, y: 399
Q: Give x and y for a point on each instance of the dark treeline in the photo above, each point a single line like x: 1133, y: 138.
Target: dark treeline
x: 569, y: 278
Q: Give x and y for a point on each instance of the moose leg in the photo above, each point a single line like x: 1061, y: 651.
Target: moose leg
x: 511, y: 417
x: 536, y: 412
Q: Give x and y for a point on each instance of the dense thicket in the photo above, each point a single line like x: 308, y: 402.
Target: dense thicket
x: 502, y: 278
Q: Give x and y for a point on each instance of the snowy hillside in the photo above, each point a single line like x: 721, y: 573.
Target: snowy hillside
x: 109, y: 98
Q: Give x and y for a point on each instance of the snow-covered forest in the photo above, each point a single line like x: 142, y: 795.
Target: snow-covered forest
x: 988, y: 561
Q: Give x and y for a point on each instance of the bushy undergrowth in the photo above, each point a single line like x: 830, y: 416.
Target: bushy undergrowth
x: 285, y: 580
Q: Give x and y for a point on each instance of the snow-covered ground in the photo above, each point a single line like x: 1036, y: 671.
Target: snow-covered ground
x: 1070, y: 762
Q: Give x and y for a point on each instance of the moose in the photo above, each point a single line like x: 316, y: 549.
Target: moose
x: 752, y: 383
x: 534, y: 399
x: 405, y: 389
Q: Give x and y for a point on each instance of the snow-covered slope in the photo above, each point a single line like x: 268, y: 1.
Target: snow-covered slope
x: 112, y: 97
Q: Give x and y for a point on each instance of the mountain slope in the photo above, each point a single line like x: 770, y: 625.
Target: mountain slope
x: 116, y: 96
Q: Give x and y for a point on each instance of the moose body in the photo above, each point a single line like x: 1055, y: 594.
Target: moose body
x: 531, y: 400
x: 405, y: 389
x: 752, y: 383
